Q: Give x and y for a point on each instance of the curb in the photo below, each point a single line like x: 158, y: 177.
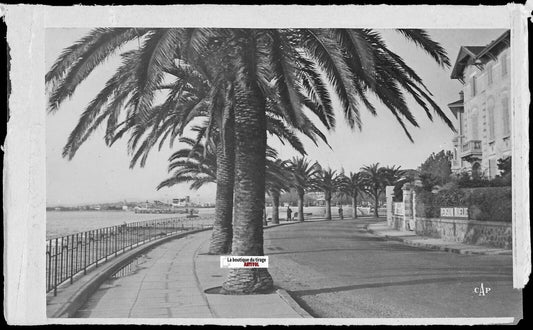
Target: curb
x: 438, y: 247
x: 69, y: 305
x: 292, y: 303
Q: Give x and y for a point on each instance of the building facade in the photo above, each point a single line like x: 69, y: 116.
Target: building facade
x: 483, y: 111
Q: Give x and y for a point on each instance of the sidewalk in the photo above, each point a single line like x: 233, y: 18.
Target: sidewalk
x: 410, y: 238
x: 169, y: 282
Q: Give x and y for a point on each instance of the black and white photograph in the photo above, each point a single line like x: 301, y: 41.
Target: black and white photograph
x: 281, y: 174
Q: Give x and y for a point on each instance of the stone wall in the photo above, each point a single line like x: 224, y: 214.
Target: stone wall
x: 485, y: 233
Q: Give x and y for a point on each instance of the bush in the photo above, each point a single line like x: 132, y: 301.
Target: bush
x: 490, y: 204
x: 484, y: 204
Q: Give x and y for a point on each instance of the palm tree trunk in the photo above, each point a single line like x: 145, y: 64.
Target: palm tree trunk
x: 376, y: 200
x: 275, y: 207
x: 265, y: 223
x: 250, y: 149
x: 222, y: 227
x: 328, y: 208
x: 354, y: 205
x: 301, y: 206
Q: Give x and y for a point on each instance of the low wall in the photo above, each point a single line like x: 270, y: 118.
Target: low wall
x: 486, y: 233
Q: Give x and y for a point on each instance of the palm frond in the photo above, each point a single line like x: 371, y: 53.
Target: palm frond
x: 69, y: 77
x: 422, y: 39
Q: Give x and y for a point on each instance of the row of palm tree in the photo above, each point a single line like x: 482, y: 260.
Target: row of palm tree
x: 242, y: 81
x: 195, y: 166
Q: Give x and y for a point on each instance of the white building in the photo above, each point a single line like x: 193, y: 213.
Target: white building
x: 483, y: 110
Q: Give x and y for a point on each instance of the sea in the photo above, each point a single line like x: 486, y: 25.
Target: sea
x: 62, y: 223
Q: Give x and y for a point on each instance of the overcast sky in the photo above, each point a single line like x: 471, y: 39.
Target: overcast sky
x: 101, y: 174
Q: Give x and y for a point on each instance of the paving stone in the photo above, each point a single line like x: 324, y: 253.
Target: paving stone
x: 166, y: 284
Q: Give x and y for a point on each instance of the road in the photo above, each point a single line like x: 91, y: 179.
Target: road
x: 336, y: 269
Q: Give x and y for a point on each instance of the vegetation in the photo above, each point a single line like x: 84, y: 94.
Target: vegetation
x: 352, y: 185
x: 303, y: 176
x: 436, y: 170
x: 244, y: 72
x: 484, y: 204
x: 328, y: 182
x: 376, y: 178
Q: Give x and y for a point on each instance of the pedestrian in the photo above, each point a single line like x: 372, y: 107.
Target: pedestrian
x: 340, y: 212
x: 289, y: 213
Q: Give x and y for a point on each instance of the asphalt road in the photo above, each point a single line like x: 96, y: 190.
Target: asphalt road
x: 337, y: 269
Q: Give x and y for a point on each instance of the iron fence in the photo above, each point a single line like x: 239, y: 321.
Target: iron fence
x: 72, y: 255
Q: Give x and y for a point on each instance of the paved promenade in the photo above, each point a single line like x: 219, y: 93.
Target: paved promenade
x: 169, y: 282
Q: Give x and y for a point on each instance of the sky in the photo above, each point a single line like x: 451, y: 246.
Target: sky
x: 101, y: 174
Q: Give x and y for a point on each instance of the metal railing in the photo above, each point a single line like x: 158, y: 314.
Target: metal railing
x: 73, y: 255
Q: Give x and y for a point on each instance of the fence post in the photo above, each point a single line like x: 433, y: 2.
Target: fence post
x: 55, y: 269
x: 71, y: 259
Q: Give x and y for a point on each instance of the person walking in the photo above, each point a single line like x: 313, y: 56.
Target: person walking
x: 289, y: 213
x: 341, y: 215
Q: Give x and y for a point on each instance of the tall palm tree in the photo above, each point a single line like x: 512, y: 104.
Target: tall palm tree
x: 352, y: 186
x: 277, y: 180
x: 190, y: 95
x: 328, y: 181
x: 374, y: 181
x: 248, y: 62
x: 303, y: 175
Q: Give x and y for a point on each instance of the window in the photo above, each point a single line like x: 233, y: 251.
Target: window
x: 504, y: 65
x: 489, y: 74
x: 506, y: 116
x: 473, y: 86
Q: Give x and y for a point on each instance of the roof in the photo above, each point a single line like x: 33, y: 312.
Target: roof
x: 456, y: 106
x: 469, y: 54
x: 458, y: 103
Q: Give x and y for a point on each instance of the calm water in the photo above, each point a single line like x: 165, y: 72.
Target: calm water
x: 60, y: 223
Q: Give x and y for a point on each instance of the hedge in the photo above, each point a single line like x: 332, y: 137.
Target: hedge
x: 484, y: 204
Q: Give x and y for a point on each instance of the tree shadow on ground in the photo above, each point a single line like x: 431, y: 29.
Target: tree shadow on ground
x: 439, y: 280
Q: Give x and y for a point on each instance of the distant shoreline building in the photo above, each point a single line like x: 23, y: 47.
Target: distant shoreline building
x: 483, y: 111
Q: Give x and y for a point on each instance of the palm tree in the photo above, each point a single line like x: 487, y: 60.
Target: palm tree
x: 277, y: 179
x: 374, y: 181
x: 393, y: 174
x: 328, y: 181
x: 376, y: 178
x: 352, y: 186
x: 248, y: 62
x: 303, y: 175
x: 192, y: 164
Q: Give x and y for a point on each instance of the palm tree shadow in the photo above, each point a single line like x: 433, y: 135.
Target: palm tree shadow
x: 300, y: 293
x: 395, y: 249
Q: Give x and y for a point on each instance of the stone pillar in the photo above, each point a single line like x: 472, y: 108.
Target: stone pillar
x: 408, y: 206
x: 413, y: 222
x: 389, y: 193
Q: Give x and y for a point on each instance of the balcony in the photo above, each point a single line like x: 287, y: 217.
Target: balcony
x: 471, y: 148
